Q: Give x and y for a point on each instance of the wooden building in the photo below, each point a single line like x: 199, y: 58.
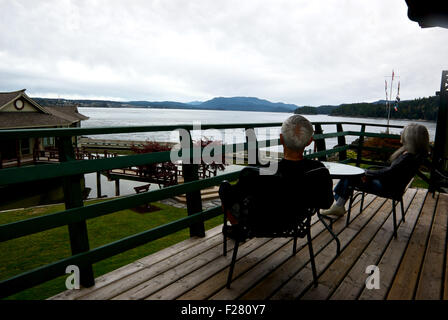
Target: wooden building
x: 19, y: 111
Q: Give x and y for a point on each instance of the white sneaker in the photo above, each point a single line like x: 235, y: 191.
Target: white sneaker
x: 335, y: 210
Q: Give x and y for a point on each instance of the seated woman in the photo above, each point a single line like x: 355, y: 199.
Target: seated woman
x: 404, y: 164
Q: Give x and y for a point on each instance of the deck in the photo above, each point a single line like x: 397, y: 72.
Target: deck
x: 413, y: 266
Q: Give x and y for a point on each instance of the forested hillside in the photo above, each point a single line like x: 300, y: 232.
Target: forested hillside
x: 421, y: 108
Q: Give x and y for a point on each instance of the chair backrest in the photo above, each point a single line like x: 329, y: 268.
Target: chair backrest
x: 397, y: 187
x: 268, y: 206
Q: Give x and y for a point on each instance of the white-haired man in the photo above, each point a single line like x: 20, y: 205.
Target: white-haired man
x: 305, y: 182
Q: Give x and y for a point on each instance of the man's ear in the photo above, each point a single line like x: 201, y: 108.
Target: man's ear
x: 282, y: 140
x: 309, y: 142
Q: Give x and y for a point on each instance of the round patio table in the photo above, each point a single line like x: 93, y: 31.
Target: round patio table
x: 340, y: 170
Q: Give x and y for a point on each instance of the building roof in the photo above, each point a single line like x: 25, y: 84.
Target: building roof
x: 46, y: 116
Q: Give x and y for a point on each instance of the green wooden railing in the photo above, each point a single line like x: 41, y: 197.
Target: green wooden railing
x: 71, y: 171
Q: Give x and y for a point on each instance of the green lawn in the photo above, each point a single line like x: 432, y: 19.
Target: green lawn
x: 26, y: 253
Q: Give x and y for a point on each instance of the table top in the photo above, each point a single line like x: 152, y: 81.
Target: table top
x: 340, y: 170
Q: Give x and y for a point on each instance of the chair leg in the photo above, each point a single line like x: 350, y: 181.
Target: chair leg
x: 232, y: 264
x: 394, y: 213
x: 362, y: 202
x: 313, y: 263
x: 352, y: 199
x: 402, y: 210
x: 330, y: 229
x: 294, y: 246
x: 224, y: 233
x: 349, y: 209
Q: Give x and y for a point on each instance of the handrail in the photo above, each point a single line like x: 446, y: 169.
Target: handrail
x: 76, y: 214
x: 33, y: 225
x: 64, y: 132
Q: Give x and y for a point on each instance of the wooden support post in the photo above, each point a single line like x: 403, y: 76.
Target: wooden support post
x: 440, y: 151
x: 360, y: 145
x: 341, y: 143
x: 320, y: 143
x: 117, y: 187
x: 18, y: 153
x: 194, y: 200
x: 98, y: 184
x: 79, y: 240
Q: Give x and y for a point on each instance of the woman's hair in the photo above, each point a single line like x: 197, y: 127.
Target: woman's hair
x: 415, y: 140
x: 297, y: 132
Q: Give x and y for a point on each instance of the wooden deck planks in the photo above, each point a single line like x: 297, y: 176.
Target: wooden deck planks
x: 297, y: 285
x: 406, y: 278
x: 443, y: 205
x: 430, y: 284
x: 215, y: 272
x: 338, y: 270
x: 152, y: 270
x: 136, y: 266
x: 153, y: 282
x: 212, y: 285
x: 414, y: 266
x: 392, y: 256
x: 354, y: 281
x: 294, y: 265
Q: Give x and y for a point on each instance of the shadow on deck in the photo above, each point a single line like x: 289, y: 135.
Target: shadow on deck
x: 413, y: 266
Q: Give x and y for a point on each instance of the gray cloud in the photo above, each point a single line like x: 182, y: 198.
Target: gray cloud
x: 303, y: 52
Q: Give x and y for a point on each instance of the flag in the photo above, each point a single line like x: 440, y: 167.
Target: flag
x: 395, y: 108
x: 392, y: 75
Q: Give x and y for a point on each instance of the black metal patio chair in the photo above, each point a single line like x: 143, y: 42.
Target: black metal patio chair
x: 394, y: 193
x: 266, y: 209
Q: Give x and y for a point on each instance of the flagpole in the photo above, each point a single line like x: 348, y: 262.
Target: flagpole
x: 388, y: 103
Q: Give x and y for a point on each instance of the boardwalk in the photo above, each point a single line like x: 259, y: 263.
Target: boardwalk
x: 413, y: 266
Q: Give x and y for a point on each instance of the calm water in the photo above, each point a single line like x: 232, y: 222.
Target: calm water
x: 102, y: 117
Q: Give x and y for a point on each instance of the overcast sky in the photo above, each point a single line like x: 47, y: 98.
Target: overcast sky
x: 302, y: 52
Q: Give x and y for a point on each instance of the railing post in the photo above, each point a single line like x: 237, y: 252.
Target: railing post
x: 98, y: 184
x: 117, y: 187
x: 194, y: 200
x: 360, y: 144
x: 79, y: 241
x: 341, y: 143
x: 319, y: 144
x: 440, y: 150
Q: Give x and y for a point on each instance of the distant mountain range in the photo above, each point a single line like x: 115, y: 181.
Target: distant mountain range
x: 421, y: 108
x: 221, y: 103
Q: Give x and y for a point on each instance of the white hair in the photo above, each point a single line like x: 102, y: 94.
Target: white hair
x: 415, y: 140
x: 297, y: 132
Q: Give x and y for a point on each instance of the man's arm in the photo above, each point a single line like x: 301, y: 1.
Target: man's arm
x: 321, y: 188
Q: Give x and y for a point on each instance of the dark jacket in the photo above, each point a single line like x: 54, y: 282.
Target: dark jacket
x: 296, y: 186
x: 395, y: 177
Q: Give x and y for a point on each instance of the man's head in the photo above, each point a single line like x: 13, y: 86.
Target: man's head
x: 297, y: 133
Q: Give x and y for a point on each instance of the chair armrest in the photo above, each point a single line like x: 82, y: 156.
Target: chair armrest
x: 376, y: 167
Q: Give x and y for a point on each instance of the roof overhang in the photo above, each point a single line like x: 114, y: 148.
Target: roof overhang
x: 23, y: 95
x: 428, y: 13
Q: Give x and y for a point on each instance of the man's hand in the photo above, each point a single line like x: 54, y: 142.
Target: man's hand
x: 364, y: 179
